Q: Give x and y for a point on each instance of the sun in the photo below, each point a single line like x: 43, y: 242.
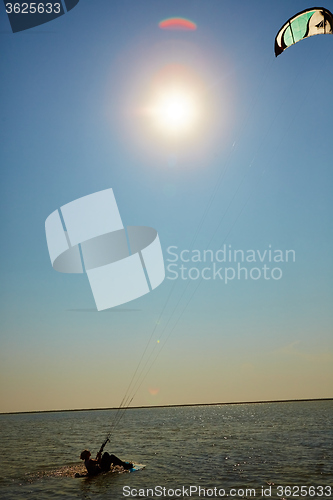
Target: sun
x: 175, y: 111
x: 173, y: 102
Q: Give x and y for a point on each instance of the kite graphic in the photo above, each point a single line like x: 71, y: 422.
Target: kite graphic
x: 309, y: 22
x: 87, y: 235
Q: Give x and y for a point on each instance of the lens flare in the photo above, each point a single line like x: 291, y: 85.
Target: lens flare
x: 153, y: 391
x: 177, y: 23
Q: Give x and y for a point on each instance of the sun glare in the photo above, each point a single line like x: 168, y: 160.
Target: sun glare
x: 174, y: 105
x: 175, y: 112
x: 174, y: 101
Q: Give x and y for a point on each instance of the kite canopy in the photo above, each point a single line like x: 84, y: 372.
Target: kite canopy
x: 177, y: 23
x: 309, y: 22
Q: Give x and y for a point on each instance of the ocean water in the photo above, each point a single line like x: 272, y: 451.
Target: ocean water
x: 240, y: 451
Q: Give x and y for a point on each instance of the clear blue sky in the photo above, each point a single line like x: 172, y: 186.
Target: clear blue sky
x: 72, y: 92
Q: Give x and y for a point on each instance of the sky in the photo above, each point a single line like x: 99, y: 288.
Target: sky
x: 250, y: 171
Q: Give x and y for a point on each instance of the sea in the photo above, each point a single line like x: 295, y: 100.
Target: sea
x: 274, y: 450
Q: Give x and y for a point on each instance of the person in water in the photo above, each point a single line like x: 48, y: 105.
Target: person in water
x: 102, y: 463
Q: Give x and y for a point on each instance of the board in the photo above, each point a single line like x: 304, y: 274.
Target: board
x: 135, y: 468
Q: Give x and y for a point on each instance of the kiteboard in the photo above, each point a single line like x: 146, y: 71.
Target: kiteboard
x: 135, y: 468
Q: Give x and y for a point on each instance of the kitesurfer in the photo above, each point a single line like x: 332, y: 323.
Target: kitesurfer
x: 102, y: 463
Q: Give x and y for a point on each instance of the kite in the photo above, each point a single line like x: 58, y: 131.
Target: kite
x: 309, y: 22
x: 177, y: 23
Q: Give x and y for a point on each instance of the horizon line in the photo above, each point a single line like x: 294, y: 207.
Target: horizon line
x: 169, y: 406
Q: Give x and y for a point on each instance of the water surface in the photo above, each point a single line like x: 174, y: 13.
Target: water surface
x: 227, y: 446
